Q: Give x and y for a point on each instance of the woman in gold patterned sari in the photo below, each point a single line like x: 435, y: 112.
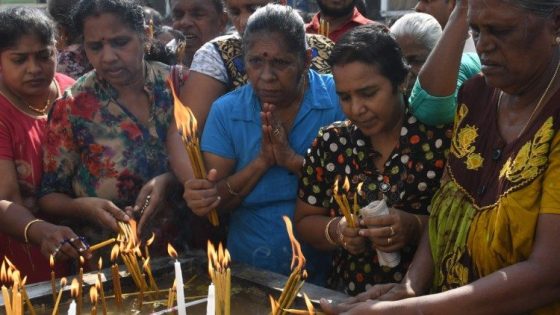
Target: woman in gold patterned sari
x: 492, y: 245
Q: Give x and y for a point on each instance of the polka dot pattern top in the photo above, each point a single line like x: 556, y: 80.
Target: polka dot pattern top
x: 408, y: 181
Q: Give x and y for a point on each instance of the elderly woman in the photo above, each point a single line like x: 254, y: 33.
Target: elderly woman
x: 384, y: 152
x: 28, y: 86
x: 431, y: 86
x: 218, y: 66
x: 492, y: 246
x: 255, y: 138
x: 105, y: 148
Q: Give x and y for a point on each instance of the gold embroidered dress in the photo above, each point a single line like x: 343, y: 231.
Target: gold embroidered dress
x: 484, y: 217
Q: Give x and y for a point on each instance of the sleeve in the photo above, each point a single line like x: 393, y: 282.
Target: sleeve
x: 207, y: 60
x: 60, y: 152
x: 436, y: 110
x: 313, y: 188
x: 550, y: 201
x: 6, y: 148
x: 217, y: 135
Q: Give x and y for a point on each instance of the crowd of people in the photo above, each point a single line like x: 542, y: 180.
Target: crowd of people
x: 416, y: 160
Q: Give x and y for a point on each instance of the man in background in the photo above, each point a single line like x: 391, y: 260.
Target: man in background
x: 339, y: 17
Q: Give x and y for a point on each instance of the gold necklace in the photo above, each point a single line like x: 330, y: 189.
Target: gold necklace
x: 43, y: 110
x: 539, y: 103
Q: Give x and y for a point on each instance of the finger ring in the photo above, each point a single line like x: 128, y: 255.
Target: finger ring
x: 392, y: 231
x: 276, y: 131
x: 388, y: 241
x: 56, y: 250
x: 73, y: 239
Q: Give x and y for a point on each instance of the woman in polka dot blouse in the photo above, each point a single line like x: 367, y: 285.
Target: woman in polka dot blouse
x: 384, y: 152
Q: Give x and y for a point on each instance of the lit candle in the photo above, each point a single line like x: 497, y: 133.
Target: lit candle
x: 93, y: 299
x: 74, y: 289
x: 80, y: 287
x: 5, y: 292
x: 178, y: 281
x: 57, y: 303
x: 211, y: 303
x: 116, y: 277
x: 53, y: 277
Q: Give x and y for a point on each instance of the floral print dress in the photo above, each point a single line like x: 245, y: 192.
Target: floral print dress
x: 96, y: 148
x: 408, y: 182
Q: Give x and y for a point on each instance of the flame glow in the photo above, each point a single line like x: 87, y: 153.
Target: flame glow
x: 74, y: 288
x: 100, y: 263
x: 93, y: 294
x: 151, y: 240
x: 171, y: 251
x: 51, y: 261
x: 3, y: 273
x: 114, y: 252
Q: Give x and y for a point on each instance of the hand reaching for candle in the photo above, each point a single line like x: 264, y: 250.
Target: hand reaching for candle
x: 56, y: 240
x: 201, y: 195
x: 149, y: 198
x: 350, y: 239
x: 101, y: 211
x: 389, y: 233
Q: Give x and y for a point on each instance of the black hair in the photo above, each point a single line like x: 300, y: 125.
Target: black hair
x: 219, y: 5
x: 19, y: 21
x: 371, y: 44
x: 279, y: 19
x: 130, y: 12
x: 60, y: 12
x: 539, y: 7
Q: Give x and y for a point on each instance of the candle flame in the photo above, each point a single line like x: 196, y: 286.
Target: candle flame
x: 171, y: 251
x: 3, y: 273
x: 114, y: 252
x: 93, y: 294
x: 220, y: 254
x: 16, y: 277
x: 137, y: 251
x: 51, y: 261
x: 346, y: 185
x: 227, y: 260
x: 184, y: 117
x: 100, y: 263
x: 10, y: 264
x: 23, y: 281
x: 98, y: 284
x: 335, y: 186
x: 308, y: 303
x: 74, y: 288
x: 273, y: 304
x: 297, y: 254
x: 146, y: 264
x: 82, y: 261
x: 63, y: 282
x: 359, y: 188
x: 151, y: 239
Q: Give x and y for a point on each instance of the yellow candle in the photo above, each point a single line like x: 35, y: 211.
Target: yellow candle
x: 7, y: 300
x: 57, y: 302
x: 53, y: 277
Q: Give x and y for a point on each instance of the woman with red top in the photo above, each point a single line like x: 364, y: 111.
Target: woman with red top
x: 28, y: 86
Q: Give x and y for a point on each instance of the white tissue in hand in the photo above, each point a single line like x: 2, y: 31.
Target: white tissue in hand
x: 377, y: 208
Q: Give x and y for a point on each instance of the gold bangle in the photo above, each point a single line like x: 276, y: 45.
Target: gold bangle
x: 26, y: 229
x: 327, y: 234
x: 230, y: 190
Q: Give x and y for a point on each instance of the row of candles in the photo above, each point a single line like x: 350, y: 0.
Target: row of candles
x: 126, y: 244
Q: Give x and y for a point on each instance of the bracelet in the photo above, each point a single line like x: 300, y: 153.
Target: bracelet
x: 420, y: 225
x: 230, y: 190
x: 327, y: 234
x: 26, y: 229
